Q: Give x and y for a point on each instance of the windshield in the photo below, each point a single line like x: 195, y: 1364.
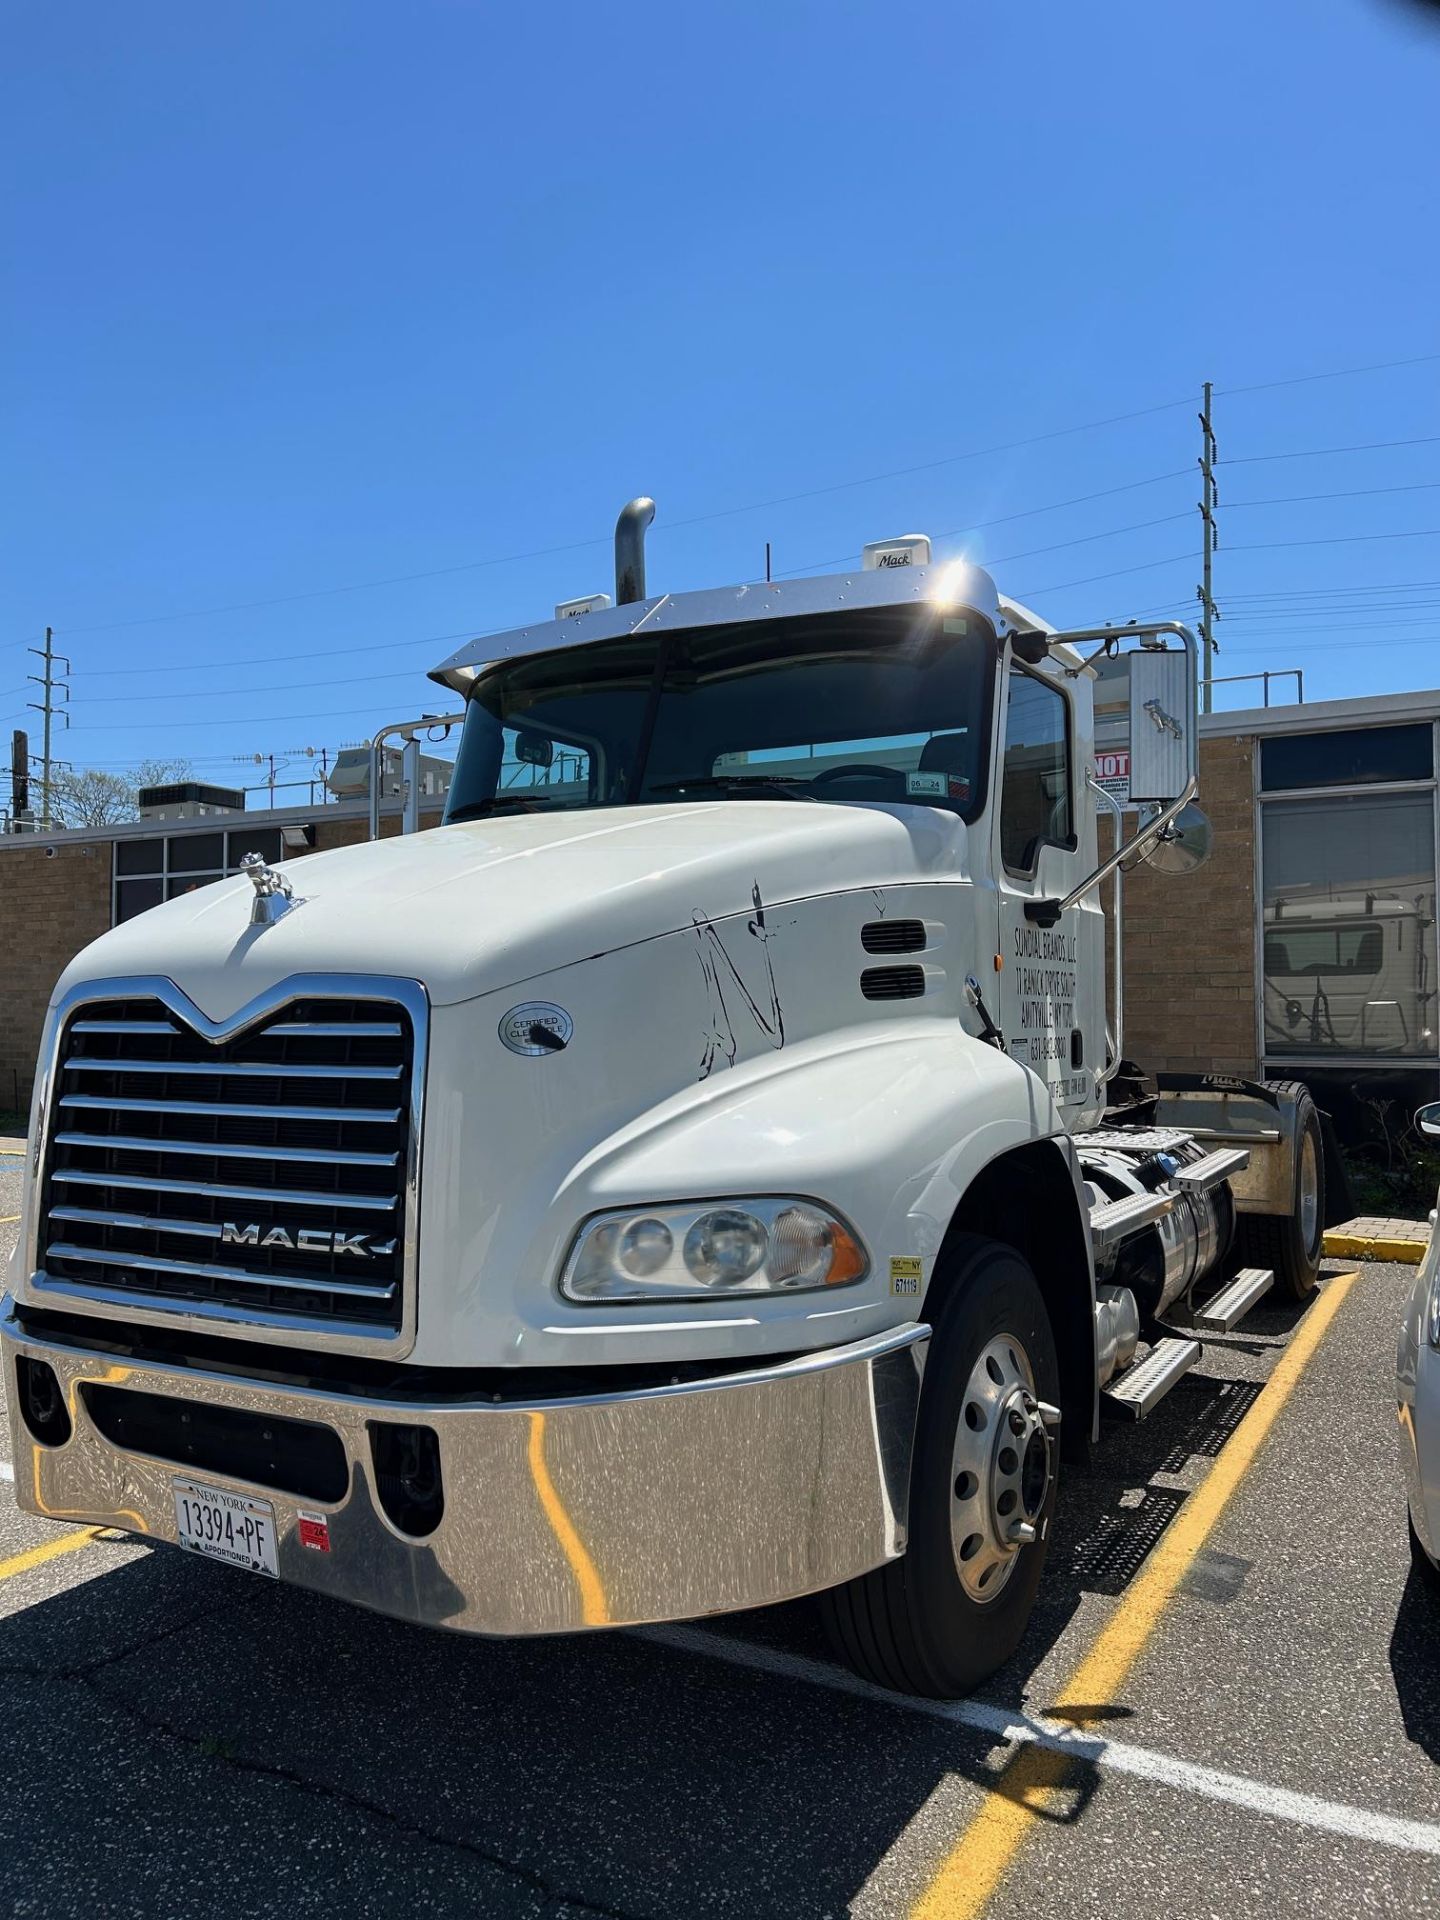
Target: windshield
x: 887, y: 704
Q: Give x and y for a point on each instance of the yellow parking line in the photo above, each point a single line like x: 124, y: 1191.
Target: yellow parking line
x: 1025, y: 1790
x: 8, y: 1219
x: 47, y: 1550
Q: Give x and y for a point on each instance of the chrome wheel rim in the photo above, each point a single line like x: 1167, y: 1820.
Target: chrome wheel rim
x: 1309, y: 1191
x: 1001, y: 1468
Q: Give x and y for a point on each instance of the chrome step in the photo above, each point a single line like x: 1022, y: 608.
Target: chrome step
x: 1230, y: 1307
x: 1116, y: 1218
x: 1140, y: 1389
x: 1201, y: 1175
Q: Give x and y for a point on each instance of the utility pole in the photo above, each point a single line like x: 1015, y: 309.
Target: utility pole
x: 1209, y: 612
x: 19, y: 777
x: 48, y: 710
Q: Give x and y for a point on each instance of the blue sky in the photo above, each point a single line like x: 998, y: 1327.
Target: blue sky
x: 306, y: 298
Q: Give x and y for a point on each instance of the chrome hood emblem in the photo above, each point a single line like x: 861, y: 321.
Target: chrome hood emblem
x: 274, y: 896
x: 253, y: 1233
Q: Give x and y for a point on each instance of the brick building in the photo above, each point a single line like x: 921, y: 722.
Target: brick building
x: 1305, y: 949
x: 60, y: 891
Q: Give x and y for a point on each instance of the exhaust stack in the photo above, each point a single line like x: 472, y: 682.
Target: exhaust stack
x: 630, y: 550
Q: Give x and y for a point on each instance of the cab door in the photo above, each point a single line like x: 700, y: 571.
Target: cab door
x: 1050, y: 979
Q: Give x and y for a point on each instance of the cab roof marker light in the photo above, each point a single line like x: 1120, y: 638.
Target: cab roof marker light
x: 588, y: 603
x: 908, y: 550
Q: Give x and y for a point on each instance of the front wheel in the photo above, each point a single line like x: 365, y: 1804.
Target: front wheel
x: 982, y: 1490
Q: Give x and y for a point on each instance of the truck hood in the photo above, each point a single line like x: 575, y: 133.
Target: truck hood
x: 486, y: 904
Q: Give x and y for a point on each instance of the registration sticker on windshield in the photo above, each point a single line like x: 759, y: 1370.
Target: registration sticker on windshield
x: 930, y: 785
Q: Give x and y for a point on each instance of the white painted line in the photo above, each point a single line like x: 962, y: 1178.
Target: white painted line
x: 1142, y: 1763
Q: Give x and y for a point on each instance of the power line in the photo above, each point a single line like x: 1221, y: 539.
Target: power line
x: 672, y: 526
x: 282, y: 686
x: 755, y: 506
x: 1090, y: 579
x: 1351, y: 493
x: 1344, y: 646
x: 241, y: 720
x: 309, y: 653
x: 1330, y: 540
x: 467, y: 633
x: 1325, y: 593
x: 1320, y: 596
x: 1336, y: 373
x: 1318, y: 453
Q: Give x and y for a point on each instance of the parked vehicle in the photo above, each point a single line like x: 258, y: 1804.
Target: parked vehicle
x: 1349, y: 972
x: 1418, y: 1373
x: 702, y: 1172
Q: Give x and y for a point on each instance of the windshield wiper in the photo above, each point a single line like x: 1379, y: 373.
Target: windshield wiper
x: 481, y: 809
x: 782, y: 783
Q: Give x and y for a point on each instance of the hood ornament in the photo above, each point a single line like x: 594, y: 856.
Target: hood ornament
x: 274, y: 896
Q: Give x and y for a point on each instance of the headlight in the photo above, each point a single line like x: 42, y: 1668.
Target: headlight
x: 712, y: 1248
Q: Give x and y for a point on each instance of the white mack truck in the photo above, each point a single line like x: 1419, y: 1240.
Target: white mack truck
x: 701, y: 1172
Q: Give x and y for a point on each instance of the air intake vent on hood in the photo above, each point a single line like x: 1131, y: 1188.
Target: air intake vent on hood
x: 892, y: 983
x: 893, y: 936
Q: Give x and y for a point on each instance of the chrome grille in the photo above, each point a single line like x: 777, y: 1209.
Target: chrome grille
x: 257, y: 1176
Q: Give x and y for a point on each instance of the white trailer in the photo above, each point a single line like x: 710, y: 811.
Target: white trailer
x: 700, y: 1173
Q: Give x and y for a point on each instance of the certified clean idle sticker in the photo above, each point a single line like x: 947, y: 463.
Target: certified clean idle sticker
x: 905, y: 1273
x: 538, y: 1027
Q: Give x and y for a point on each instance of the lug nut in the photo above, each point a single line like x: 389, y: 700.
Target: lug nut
x: 1021, y: 1533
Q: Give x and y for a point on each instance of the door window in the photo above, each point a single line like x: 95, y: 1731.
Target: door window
x: 1035, y: 778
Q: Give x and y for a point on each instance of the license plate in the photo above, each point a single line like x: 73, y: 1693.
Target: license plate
x: 226, y: 1526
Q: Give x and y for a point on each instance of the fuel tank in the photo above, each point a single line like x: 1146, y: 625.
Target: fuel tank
x: 1162, y: 1261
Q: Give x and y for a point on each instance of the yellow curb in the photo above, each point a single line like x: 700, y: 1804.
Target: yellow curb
x: 1364, y: 1246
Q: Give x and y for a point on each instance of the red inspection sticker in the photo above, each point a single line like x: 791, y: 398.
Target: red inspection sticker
x: 314, y: 1531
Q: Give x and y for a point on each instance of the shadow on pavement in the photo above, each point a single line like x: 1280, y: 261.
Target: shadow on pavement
x: 1414, y: 1664
x: 187, y: 1738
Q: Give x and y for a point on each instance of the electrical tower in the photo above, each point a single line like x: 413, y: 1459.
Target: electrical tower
x: 1209, y: 612
x: 49, y: 712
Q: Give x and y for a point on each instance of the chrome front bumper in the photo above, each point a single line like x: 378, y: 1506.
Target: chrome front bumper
x: 594, y: 1511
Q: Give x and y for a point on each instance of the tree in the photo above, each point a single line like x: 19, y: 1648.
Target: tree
x: 161, y: 773
x: 92, y: 797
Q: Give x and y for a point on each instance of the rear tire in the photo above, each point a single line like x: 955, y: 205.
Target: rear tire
x: 941, y: 1619
x: 1292, y: 1244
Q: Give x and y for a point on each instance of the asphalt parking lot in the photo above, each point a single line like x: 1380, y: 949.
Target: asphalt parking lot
x: 1253, y: 1710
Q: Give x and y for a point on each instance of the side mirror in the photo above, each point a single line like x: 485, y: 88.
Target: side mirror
x: 1184, y: 845
x: 534, y: 749
x: 1162, y: 724
x: 1427, y: 1120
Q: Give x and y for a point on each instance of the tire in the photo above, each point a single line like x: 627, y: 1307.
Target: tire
x: 1292, y: 1244
x: 922, y: 1624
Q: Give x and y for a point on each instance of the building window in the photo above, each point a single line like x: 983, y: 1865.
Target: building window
x: 1035, y: 779
x: 1348, y: 757
x: 160, y: 866
x: 1348, y: 963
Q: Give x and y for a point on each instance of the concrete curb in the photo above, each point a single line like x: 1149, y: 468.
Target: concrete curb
x: 1398, y: 1240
